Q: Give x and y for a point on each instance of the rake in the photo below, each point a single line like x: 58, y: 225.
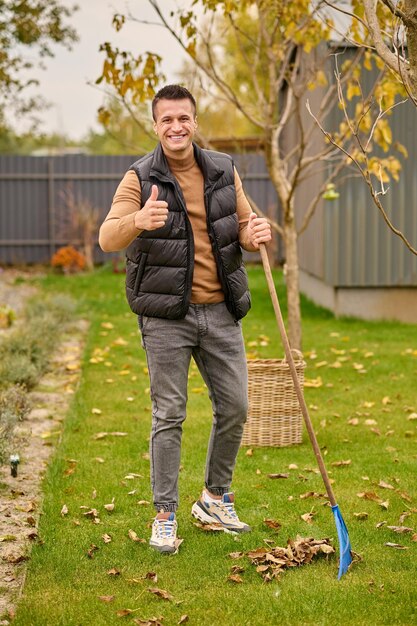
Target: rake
x: 342, y: 532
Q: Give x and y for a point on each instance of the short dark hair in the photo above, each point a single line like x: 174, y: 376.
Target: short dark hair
x: 172, y: 92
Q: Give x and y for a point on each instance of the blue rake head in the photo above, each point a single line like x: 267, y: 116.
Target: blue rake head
x: 344, y: 542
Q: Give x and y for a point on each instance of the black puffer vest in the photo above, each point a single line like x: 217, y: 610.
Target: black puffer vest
x: 160, y: 263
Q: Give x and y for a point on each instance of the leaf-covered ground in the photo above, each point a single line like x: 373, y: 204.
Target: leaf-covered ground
x: 93, y: 565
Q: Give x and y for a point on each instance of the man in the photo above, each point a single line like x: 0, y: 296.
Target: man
x: 182, y: 214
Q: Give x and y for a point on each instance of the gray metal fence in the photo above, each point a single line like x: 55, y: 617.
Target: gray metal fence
x: 33, y: 202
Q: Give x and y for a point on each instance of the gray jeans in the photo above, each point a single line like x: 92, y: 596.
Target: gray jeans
x: 210, y: 335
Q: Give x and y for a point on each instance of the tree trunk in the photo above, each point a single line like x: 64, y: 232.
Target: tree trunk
x: 410, y: 9
x: 293, y: 285
x: 279, y: 177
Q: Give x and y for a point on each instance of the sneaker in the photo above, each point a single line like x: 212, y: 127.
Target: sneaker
x: 164, y: 535
x: 210, y: 511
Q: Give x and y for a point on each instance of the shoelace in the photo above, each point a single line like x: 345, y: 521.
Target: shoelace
x: 230, y: 509
x: 165, y: 529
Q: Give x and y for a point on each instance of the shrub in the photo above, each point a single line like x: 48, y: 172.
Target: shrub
x: 7, y: 316
x: 68, y: 259
x: 25, y: 353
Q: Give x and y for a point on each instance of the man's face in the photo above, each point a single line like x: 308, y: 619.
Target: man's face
x: 175, y: 126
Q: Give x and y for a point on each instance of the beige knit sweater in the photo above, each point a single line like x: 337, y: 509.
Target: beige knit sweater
x: 118, y: 229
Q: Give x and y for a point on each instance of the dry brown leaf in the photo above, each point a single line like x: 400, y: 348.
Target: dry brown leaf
x: 395, y: 545
x: 208, y: 527
x: 133, y: 536
x: 124, y: 612
x: 385, y: 485
x: 369, y: 495
x: 361, y: 516
x: 270, y: 562
x: 237, y: 569
x: 308, y: 517
x: 106, y: 598
x: 93, y: 548
x: 311, y: 494
x: 106, y: 538
x: 341, y: 463
x: 404, y: 495
x: 153, y: 576
x: 249, y: 452
x: 235, y: 578
x: 113, y: 572
x: 153, y: 621
x: 236, y: 555
x: 183, y: 619
x: 272, y: 523
x: 401, y: 529
x: 110, y: 507
x: 64, y: 510
x: 278, y: 475
x: 161, y: 593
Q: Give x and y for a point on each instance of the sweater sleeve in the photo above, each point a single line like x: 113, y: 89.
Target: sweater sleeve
x: 243, y: 211
x: 118, y: 229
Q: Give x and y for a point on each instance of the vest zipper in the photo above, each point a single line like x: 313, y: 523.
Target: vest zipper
x: 190, y: 247
x: 223, y: 279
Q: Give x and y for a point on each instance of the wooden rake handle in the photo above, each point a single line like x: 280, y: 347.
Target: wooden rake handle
x: 291, y: 364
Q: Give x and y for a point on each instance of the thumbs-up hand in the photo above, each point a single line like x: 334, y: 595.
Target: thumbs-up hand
x: 153, y: 214
x: 259, y: 230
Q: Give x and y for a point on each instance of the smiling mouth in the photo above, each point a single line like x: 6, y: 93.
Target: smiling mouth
x: 177, y: 137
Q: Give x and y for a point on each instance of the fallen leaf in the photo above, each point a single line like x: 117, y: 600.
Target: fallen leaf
x: 64, y: 510
x: 249, y: 452
x: 113, y: 572
x: 96, y: 411
x: 106, y: 538
x: 208, y: 527
x: 385, y: 485
x: 401, y: 529
x: 271, y: 523
x: 106, y: 598
x: 235, y: 578
x: 93, y: 548
x: 308, y: 517
x: 270, y: 562
x: 124, y: 612
x: 278, y: 475
x: 369, y: 495
x: 110, y: 507
x: 341, y: 463
x: 395, y: 545
x: 313, y: 382
x: 183, y: 619
x: 134, y: 537
x: 236, y: 555
x: 361, y: 516
x: 293, y: 466
x: 151, y: 576
x: 311, y: 494
x: 161, y: 593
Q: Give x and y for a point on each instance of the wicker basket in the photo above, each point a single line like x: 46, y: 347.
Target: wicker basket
x: 274, y: 416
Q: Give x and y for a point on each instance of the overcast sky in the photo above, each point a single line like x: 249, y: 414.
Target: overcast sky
x: 64, y: 84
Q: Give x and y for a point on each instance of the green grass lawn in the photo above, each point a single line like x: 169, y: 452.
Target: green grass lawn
x: 364, y: 389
